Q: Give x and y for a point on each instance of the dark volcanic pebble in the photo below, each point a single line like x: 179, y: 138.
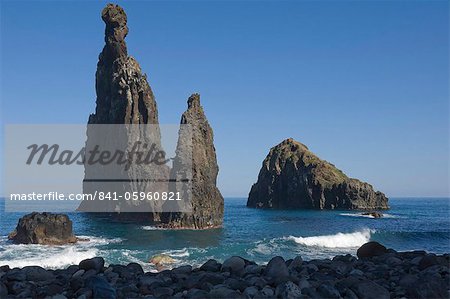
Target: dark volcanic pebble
x: 389, y: 275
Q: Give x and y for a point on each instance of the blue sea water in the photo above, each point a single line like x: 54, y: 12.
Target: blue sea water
x: 410, y: 224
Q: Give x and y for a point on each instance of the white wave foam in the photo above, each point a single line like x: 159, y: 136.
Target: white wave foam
x: 150, y: 227
x: 267, y: 247
x: 339, y: 240
x: 177, y: 253
x: 262, y: 249
x: 98, y: 241
x: 367, y: 216
x: 391, y: 216
x: 51, y: 258
x: 356, y: 215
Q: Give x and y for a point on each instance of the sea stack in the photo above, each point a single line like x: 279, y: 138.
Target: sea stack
x: 199, y: 159
x: 123, y: 93
x: 44, y: 229
x: 292, y: 177
x: 124, y: 97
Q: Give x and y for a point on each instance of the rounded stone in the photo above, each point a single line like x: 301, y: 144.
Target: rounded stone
x: 276, y: 269
x: 3, y: 290
x: 234, y: 264
x: 95, y: 263
x: 211, y: 266
x: 370, y: 249
x: 288, y: 290
x: 78, y: 274
x: 428, y: 261
x: 296, y: 263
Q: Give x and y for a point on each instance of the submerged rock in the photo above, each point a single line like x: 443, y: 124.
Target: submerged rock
x: 43, y: 228
x: 196, y: 155
x: 161, y: 259
x: 292, y: 177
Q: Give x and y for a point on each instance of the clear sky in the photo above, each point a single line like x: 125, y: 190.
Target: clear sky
x: 365, y: 84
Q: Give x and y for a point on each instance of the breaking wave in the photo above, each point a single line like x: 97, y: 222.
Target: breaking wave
x: 339, y: 240
x: 51, y: 257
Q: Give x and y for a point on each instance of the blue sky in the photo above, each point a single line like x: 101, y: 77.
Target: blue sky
x: 364, y: 84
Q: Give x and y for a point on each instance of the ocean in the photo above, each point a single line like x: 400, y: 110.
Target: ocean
x: 258, y: 235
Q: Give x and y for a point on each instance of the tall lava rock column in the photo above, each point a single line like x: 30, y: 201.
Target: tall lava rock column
x: 199, y: 158
x: 123, y: 93
x: 124, y: 97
